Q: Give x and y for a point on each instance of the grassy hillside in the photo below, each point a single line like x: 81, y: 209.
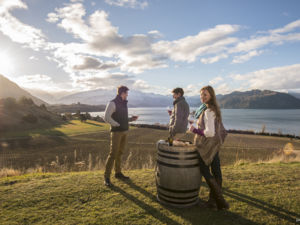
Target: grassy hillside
x: 11, y: 89
x: 23, y: 114
x: 257, y: 193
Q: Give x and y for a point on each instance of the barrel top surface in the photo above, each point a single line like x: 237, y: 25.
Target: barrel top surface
x: 163, y: 145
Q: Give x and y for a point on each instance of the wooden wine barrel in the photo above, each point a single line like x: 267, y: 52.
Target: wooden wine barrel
x: 178, y: 176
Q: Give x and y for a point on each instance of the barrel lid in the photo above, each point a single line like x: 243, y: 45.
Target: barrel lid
x: 177, y: 146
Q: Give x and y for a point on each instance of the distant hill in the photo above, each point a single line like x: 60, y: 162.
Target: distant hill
x: 257, y: 99
x: 11, y: 89
x: 24, y: 115
x: 100, y: 97
x: 295, y: 94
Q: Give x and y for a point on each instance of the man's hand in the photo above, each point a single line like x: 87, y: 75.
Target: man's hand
x: 134, y: 118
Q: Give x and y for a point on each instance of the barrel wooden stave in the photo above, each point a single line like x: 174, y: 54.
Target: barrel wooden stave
x: 178, y: 175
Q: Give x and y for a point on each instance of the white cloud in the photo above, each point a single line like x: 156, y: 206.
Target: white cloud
x: 102, y: 39
x: 33, y: 58
x: 187, y: 49
x: 90, y: 63
x: 216, y: 80
x: 52, y: 18
x: 141, y: 84
x: 42, y: 81
x: 213, y: 59
x: 285, y: 77
x: 223, y: 88
x: 193, y: 89
x: 246, y: 57
x: 289, y: 27
x: 15, y: 29
x: 257, y: 42
x: 128, y: 3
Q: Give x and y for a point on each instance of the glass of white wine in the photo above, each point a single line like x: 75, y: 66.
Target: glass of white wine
x: 191, y: 120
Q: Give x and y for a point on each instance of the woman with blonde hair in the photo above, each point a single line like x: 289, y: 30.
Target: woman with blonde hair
x: 209, y: 136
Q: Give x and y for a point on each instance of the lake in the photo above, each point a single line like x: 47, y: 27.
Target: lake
x: 287, y: 121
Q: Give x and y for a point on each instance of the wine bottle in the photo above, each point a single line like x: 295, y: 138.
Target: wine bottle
x: 170, y: 141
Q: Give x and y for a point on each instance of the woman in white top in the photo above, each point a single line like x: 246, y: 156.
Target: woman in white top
x: 208, y: 140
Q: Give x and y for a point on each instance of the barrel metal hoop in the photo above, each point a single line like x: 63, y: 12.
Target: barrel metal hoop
x: 177, y: 166
x: 185, y: 158
x: 177, y: 153
x: 174, y: 202
x: 179, y: 198
x: 177, y: 191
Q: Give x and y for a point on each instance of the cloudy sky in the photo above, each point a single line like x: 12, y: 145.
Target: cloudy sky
x: 151, y: 45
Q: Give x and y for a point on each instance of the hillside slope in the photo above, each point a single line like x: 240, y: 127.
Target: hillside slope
x: 11, y: 89
x: 24, y: 114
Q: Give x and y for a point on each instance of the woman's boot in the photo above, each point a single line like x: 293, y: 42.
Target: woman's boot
x: 217, y: 194
x: 211, y: 203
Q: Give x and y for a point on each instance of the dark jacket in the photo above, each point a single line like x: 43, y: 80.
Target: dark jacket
x: 179, y: 118
x: 120, y: 115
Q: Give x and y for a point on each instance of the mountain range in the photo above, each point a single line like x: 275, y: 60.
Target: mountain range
x: 254, y: 99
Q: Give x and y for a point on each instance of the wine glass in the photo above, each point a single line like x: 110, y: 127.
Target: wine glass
x: 191, y: 120
x: 169, y: 109
x: 135, y: 116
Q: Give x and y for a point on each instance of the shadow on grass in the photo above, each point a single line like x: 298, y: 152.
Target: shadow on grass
x: 195, y: 215
x: 149, y: 209
x: 269, y: 208
x: 93, y: 124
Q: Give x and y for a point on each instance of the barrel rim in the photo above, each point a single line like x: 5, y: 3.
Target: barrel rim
x: 178, y: 152
x: 177, y: 166
x: 177, y: 191
x: 177, y: 158
x: 162, y: 199
x: 179, y: 197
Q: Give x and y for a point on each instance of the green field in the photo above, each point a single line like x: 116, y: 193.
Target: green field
x: 71, y: 128
x: 257, y: 193
x: 80, y: 146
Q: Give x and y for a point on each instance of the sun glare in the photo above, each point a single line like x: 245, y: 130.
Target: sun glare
x: 6, y: 65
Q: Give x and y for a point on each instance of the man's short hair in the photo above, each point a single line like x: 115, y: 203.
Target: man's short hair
x: 178, y: 90
x: 122, y: 89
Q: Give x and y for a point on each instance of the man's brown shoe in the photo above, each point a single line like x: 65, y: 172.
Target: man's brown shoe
x: 121, y: 176
x: 107, y: 182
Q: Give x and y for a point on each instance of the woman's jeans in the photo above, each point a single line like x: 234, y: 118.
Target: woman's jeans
x: 215, y: 168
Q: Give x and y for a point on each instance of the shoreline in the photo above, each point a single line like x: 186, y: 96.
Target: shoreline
x: 230, y: 131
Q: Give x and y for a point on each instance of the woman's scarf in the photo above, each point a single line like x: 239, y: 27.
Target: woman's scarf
x: 200, y: 110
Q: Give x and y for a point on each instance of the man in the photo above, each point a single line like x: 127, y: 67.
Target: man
x: 116, y: 114
x: 179, y: 116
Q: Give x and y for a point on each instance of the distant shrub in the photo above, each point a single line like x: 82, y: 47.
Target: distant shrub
x: 10, y: 103
x: 25, y: 101
x: 30, y: 118
x: 46, y: 117
x: 98, y: 118
x: 68, y: 116
x: 43, y: 106
x: 88, y: 116
x: 82, y: 118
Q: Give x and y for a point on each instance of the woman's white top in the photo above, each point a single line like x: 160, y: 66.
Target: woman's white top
x: 209, y: 121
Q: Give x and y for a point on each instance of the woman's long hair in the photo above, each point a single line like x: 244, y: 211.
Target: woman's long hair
x: 212, y: 104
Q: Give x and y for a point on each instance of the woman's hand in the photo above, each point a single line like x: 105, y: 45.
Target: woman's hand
x: 191, y: 128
